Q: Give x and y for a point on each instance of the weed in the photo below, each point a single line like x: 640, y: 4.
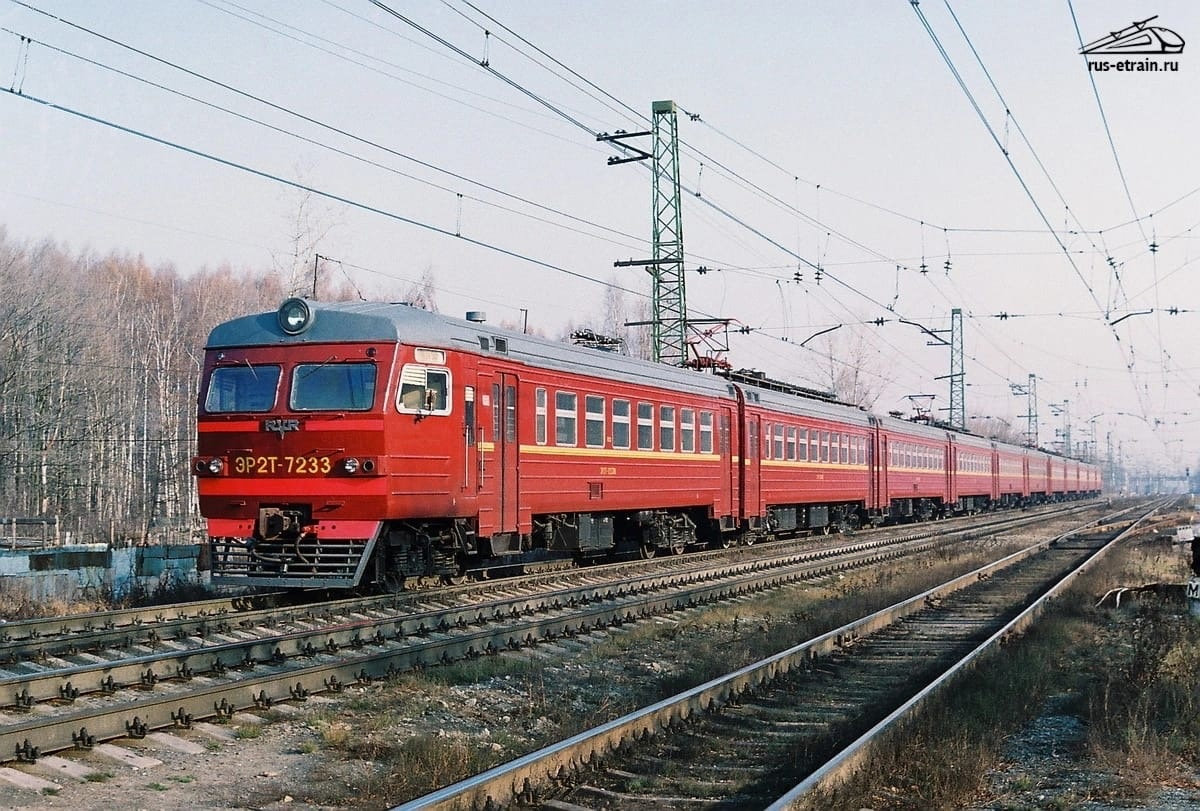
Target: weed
x: 98, y: 777
x: 247, y: 731
x: 181, y: 778
x: 157, y: 786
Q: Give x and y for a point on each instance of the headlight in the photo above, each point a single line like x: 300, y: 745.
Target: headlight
x: 295, y: 316
x: 216, y: 466
x: 350, y: 465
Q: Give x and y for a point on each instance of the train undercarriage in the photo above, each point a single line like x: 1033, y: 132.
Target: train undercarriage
x: 287, y: 552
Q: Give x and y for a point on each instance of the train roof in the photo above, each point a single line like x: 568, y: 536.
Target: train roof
x: 345, y: 322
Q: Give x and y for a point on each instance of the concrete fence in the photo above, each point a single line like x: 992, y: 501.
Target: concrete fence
x: 95, y: 571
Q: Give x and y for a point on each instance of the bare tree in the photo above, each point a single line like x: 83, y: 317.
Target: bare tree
x: 423, y: 292
x: 309, y: 226
x: 854, y: 369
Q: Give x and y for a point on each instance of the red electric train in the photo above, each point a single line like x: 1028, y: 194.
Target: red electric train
x: 344, y: 444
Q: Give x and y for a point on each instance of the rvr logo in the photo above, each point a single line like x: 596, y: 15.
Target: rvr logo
x: 281, y: 427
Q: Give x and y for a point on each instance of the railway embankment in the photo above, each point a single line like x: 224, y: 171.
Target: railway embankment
x: 376, y: 744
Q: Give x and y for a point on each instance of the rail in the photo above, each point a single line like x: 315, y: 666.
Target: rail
x: 519, y: 779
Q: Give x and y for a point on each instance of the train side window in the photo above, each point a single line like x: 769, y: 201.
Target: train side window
x: 645, y: 427
x: 834, y: 441
x: 687, y: 430
x: 791, y: 444
x: 593, y: 426
x: 824, y: 446
x: 813, y: 441
x: 620, y: 424
x: 666, y: 428
x: 766, y: 441
x: 242, y: 388
x: 510, y: 413
x: 423, y: 390
x: 565, y: 418
x: 539, y: 411
x: 496, y: 412
x: 802, y: 445
x: 706, y: 432
x: 778, y: 437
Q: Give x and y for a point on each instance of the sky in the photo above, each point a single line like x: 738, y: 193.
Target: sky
x: 841, y: 164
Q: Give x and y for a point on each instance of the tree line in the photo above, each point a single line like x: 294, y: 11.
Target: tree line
x: 100, y: 358
x: 99, y: 365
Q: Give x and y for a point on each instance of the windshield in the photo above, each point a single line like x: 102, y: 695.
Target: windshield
x: 242, y: 388
x: 333, y: 387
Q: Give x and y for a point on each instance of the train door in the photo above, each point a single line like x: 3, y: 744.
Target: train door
x: 950, y: 467
x: 882, y: 464
x: 498, y: 454
x: 874, y: 466
x: 752, y: 469
x: 995, y: 453
x: 508, y: 455
x: 729, y: 480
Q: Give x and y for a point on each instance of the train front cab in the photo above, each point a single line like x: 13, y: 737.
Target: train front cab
x: 325, y: 446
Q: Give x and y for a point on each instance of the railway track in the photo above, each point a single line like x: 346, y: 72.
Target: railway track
x: 37, y: 638
x: 747, y: 739
x: 110, y: 680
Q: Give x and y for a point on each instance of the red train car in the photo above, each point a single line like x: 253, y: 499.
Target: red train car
x: 812, y: 469
x: 340, y: 444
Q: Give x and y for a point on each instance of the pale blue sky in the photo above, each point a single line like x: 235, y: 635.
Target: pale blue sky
x: 861, y: 123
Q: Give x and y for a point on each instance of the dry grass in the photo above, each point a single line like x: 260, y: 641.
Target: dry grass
x: 1128, y: 674
x: 15, y: 604
x: 416, y: 735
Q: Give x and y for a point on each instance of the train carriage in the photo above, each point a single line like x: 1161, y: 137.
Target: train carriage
x: 912, y: 468
x: 973, y: 474
x: 339, y: 438
x: 811, y: 466
x: 1012, y: 481
x: 1038, y: 466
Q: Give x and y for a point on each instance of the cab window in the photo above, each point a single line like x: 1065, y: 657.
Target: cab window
x: 333, y: 387
x: 242, y: 388
x: 424, y: 390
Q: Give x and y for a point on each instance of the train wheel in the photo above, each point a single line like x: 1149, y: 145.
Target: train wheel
x: 647, y: 551
x: 677, y: 547
x: 392, y: 583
